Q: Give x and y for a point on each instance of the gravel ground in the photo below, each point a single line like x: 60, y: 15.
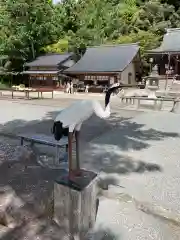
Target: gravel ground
x: 137, y: 154
x: 26, y: 194
x: 32, y: 184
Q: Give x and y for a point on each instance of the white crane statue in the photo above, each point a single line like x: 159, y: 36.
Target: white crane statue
x: 70, y: 120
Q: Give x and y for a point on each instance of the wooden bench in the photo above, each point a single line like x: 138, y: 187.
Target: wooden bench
x: 38, y: 91
x: 160, y: 100
x: 44, y: 90
x: 44, y: 140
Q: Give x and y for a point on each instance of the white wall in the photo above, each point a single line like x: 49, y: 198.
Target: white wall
x: 124, y: 75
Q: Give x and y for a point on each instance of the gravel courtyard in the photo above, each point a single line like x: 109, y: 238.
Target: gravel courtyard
x: 137, y: 154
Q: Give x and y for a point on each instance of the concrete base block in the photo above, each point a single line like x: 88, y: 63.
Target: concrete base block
x: 75, y: 204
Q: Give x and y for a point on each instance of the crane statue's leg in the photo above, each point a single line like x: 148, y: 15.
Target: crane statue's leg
x: 73, y: 170
x: 74, y: 167
x: 77, y: 149
x: 77, y: 133
x: 70, y: 164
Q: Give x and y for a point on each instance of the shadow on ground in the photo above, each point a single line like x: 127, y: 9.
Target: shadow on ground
x: 28, y: 193
x: 102, y: 155
x: 131, y: 135
x: 32, y: 186
x: 103, y: 234
x: 105, y: 154
x: 29, y: 183
x: 112, y: 162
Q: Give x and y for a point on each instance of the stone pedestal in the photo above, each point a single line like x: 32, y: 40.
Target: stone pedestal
x: 151, y: 95
x: 152, y: 91
x: 152, y: 85
x: 75, y: 204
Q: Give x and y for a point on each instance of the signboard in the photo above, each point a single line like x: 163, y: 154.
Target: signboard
x: 95, y: 77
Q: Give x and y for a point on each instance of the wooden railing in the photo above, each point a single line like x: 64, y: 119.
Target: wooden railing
x: 157, y: 102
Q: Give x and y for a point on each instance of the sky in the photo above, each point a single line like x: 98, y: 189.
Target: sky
x: 56, y: 1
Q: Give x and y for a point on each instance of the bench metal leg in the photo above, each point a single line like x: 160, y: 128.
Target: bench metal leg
x: 160, y: 104
x: 22, y: 141
x: 175, y: 106
x: 32, y: 143
x: 138, y: 103
x: 57, y: 155
x: 155, y: 104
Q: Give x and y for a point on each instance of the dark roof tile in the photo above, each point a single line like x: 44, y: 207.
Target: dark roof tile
x: 49, y: 60
x: 170, y: 43
x: 105, y: 59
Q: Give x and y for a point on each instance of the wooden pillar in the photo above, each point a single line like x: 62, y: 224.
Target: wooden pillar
x: 115, y: 79
x: 108, y: 81
x: 75, y: 206
x: 162, y: 70
x: 177, y: 70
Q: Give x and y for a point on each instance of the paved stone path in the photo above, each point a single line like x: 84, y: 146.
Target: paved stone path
x: 137, y: 154
x: 142, y: 156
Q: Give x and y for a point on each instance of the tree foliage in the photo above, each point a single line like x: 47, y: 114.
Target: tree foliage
x: 30, y: 27
x: 59, y: 47
x: 25, y: 26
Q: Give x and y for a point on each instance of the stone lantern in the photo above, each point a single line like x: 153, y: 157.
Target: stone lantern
x: 153, y: 82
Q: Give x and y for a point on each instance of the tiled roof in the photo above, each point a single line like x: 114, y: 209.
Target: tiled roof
x: 49, y: 60
x: 170, y: 43
x: 105, y: 59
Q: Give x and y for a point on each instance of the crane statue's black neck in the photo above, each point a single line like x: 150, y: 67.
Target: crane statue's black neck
x: 111, y: 90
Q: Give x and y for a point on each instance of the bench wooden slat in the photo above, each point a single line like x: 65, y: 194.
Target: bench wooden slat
x: 166, y: 99
x: 44, y: 139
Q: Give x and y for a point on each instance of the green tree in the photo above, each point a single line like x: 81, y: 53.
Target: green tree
x: 97, y: 20
x: 28, y: 27
x: 60, y: 47
x: 146, y: 39
x: 25, y: 26
x: 155, y: 17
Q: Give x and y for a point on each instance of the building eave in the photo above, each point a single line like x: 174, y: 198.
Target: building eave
x: 162, y: 52
x: 92, y: 73
x: 40, y: 72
